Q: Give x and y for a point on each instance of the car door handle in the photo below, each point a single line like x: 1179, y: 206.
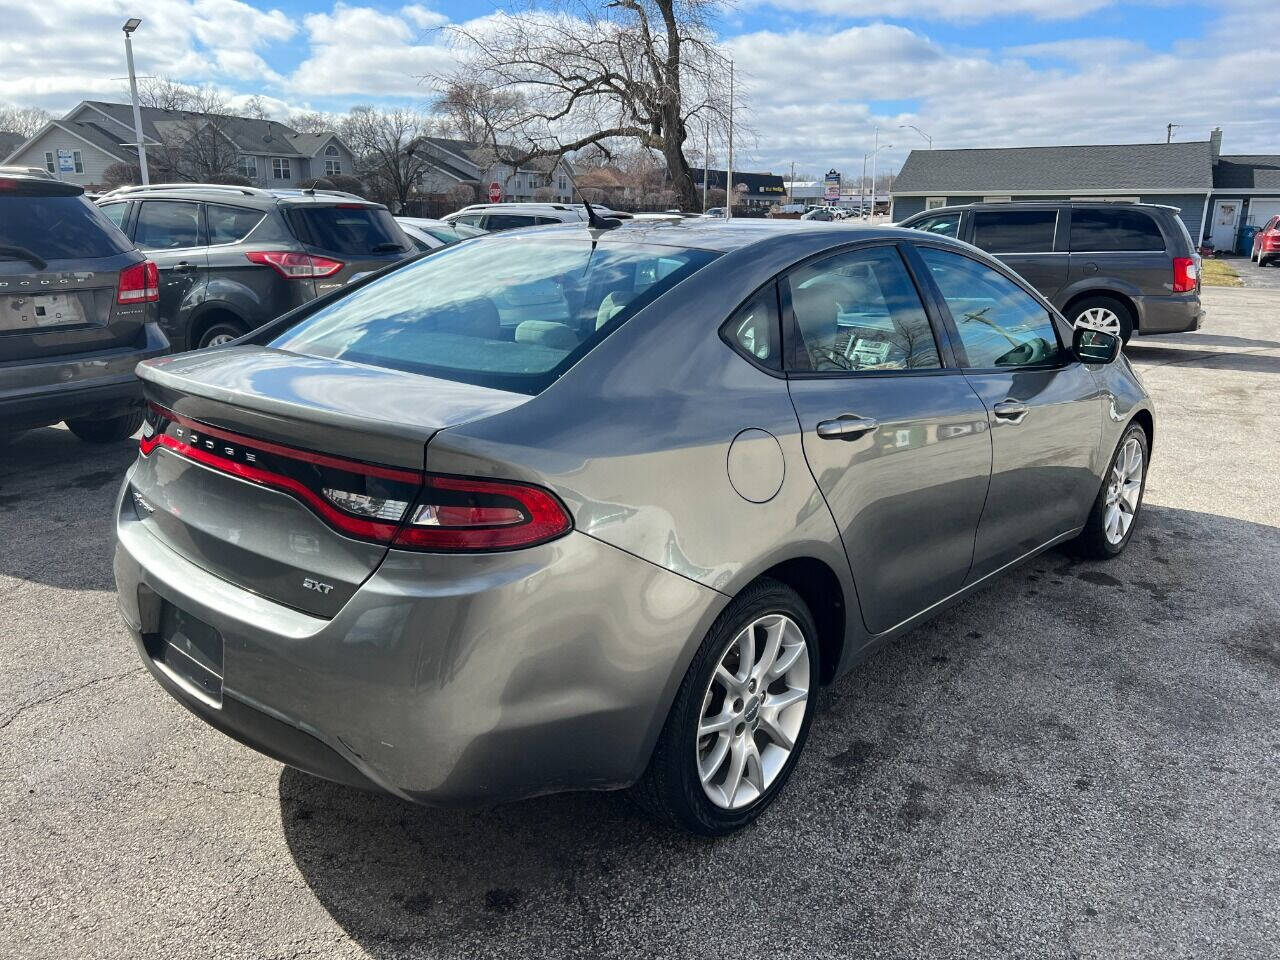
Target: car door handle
x: 183, y: 266
x: 846, y: 427
x: 1010, y: 410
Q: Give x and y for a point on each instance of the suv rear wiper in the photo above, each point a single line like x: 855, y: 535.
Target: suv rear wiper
x: 22, y: 253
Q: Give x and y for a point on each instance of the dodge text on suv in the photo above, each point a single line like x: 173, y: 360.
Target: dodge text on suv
x: 1124, y: 268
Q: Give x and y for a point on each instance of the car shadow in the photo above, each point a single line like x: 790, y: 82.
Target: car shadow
x: 49, y: 482
x: 1243, y: 362
x: 993, y: 726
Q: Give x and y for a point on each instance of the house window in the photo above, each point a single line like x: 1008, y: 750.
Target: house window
x: 247, y: 167
x: 333, y: 161
x: 280, y: 168
x: 48, y: 162
x: 564, y: 184
x: 932, y: 203
x: 78, y: 160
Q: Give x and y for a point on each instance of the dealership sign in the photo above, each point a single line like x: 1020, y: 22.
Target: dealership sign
x: 833, y: 185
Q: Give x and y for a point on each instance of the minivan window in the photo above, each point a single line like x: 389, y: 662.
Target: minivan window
x: 1103, y: 231
x: 508, y: 312
x: 167, y: 225
x: 58, y: 228
x: 351, y: 229
x: 1014, y: 231
x: 228, y: 224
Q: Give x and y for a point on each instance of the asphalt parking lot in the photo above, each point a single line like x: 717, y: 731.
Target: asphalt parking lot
x: 1079, y: 762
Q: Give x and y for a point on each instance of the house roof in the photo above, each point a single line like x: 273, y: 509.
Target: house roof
x: 1247, y: 171
x: 309, y: 144
x: 480, y: 154
x: 1187, y: 165
x: 249, y: 134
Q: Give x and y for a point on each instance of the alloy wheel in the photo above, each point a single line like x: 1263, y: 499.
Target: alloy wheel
x: 1099, y: 318
x: 1124, y: 487
x: 753, y: 711
x: 219, y: 339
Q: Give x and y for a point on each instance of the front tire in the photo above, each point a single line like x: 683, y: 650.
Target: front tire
x: 111, y: 430
x: 1115, y: 511
x: 1106, y: 314
x: 740, y: 718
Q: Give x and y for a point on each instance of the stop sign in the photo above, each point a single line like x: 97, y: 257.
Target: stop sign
x: 495, y: 192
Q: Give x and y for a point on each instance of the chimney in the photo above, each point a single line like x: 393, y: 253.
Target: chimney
x: 1215, y: 143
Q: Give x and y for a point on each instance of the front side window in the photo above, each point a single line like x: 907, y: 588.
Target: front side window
x: 1102, y: 231
x: 167, y: 225
x: 280, y: 168
x: 947, y: 225
x: 228, y: 224
x: 999, y: 323
x: 1014, y: 231
x: 859, y: 311
x: 507, y: 312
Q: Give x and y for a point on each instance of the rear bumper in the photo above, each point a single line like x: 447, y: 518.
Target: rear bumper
x: 445, y: 679
x: 93, y: 385
x: 1177, y: 313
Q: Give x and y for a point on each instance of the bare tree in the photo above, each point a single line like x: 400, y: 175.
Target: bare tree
x: 121, y: 175
x: 164, y: 94
x: 313, y: 122
x: 591, y: 72
x: 197, y: 144
x: 256, y: 108
x: 389, y: 149
x: 26, y: 121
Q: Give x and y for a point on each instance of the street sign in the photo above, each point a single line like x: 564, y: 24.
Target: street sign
x: 495, y: 192
x: 833, y: 185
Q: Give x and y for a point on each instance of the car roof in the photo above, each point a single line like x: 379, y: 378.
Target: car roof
x: 29, y: 185
x: 234, y: 193
x: 1015, y: 204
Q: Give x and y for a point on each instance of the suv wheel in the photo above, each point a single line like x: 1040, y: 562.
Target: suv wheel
x: 740, y: 717
x: 111, y: 430
x: 1105, y: 314
x: 220, y: 332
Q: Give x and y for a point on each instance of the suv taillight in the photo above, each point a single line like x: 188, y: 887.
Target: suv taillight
x: 296, y: 266
x: 139, y: 283
x: 1184, y: 274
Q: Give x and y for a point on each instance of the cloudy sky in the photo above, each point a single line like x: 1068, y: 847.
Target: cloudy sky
x: 818, y: 75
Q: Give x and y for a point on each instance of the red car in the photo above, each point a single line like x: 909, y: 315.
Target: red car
x: 1266, y: 244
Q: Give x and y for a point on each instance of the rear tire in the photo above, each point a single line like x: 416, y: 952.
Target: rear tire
x: 111, y: 430
x: 220, y: 332
x: 1107, y: 531
x: 752, y: 722
x: 1103, y: 313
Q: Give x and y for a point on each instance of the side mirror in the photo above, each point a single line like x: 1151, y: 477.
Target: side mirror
x: 1094, y: 346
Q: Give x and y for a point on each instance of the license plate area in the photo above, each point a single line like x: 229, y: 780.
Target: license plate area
x: 190, y: 651
x: 41, y: 311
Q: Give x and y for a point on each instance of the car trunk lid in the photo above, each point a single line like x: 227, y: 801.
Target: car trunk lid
x: 289, y: 475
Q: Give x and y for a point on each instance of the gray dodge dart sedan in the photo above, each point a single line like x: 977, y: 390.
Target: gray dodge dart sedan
x: 602, y: 506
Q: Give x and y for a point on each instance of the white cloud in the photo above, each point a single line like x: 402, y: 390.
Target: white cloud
x: 951, y: 10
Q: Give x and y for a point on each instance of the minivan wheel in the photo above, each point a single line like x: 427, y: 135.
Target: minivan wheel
x: 1115, y: 511
x: 740, y: 717
x: 223, y: 331
x: 1105, y: 314
x: 111, y: 430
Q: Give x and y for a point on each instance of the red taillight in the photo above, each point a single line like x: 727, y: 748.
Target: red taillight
x: 296, y: 266
x: 139, y: 283
x: 465, y: 513
x: 1184, y: 274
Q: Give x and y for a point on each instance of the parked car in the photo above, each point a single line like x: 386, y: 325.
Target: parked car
x: 433, y: 234
x: 77, y: 314
x: 495, y: 217
x: 1266, y: 243
x: 714, y: 213
x: 644, y: 533
x: 818, y: 213
x: 1119, y: 267
x: 231, y: 258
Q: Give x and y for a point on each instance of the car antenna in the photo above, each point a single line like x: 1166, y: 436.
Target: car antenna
x: 597, y: 222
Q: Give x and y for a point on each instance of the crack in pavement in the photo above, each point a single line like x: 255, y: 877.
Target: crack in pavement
x: 40, y: 701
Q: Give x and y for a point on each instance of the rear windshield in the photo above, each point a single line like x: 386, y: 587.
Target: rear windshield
x: 57, y: 228
x: 349, y: 229
x: 452, y: 234
x: 509, y: 312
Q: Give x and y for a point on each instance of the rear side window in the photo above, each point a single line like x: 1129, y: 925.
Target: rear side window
x: 947, y: 225
x: 509, y: 221
x: 1101, y: 231
x: 1014, y: 231
x: 350, y: 229
x: 228, y: 224
x: 753, y: 330
x: 508, y: 312
x: 57, y: 228
x: 115, y: 212
x: 167, y: 225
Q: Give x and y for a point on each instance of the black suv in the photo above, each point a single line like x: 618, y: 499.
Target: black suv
x: 77, y: 313
x: 232, y: 258
x: 1121, y: 267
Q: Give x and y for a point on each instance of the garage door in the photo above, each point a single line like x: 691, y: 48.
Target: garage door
x: 1260, y: 211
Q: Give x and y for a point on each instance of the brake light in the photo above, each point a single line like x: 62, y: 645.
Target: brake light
x: 387, y: 505
x: 139, y: 283
x: 466, y: 513
x: 1184, y: 274
x: 296, y: 266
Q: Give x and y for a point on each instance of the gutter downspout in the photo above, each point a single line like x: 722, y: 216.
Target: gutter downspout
x: 1204, y: 219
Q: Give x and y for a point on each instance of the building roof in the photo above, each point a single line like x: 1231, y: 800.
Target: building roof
x: 1247, y: 171
x: 1187, y: 165
x: 309, y: 144
x: 249, y: 134
x: 758, y: 184
x: 482, y: 155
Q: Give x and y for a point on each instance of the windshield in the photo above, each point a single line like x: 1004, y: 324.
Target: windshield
x: 507, y: 312
x: 452, y: 233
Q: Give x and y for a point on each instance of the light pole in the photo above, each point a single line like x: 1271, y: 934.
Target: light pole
x: 131, y: 25
x: 912, y: 126
x: 872, y: 157
x: 728, y: 193
x: 706, y: 162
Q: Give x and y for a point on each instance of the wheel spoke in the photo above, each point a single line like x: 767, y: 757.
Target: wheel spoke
x: 727, y: 680
x: 754, y: 767
x: 777, y: 702
x: 786, y: 660
x: 771, y: 728
x: 746, y: 653
x: 772, y: 643
x: 717, y: 724
x: 714, y: 760
x: 733, y: 778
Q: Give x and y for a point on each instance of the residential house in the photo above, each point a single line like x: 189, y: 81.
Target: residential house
x: 96, y: 134
x: 454, y: 162
x: 1215, y: 193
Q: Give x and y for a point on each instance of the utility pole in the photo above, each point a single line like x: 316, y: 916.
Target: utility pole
x: 706, y: 163
x: 131, y: 25
x: 791, y: 185
x: 873, y: 172
x: 1168, y: 131
x: 728, y: 193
